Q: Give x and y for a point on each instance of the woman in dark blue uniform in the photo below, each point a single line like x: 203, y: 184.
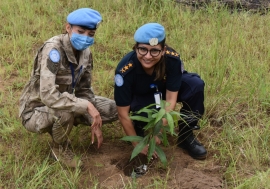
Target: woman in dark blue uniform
x: 153, y: 66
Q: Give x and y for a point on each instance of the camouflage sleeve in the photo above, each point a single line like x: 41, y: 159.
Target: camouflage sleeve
x: 49, y: 93
x: 83, y: 88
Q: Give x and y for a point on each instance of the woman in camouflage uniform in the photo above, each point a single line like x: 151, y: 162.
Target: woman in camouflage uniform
x: 59, y: 93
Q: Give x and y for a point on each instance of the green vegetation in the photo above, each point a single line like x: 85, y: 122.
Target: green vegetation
x: 231, y: 52
x: 154, y: 128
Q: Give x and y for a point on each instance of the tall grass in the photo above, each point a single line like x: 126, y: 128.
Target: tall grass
x: 229, y: 50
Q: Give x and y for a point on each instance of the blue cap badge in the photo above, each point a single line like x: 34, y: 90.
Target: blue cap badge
x: 118, y: 79
x: 54, y: 55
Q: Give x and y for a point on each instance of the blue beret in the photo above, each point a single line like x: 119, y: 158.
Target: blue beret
x: 151, y: 33
x: 85, y: 17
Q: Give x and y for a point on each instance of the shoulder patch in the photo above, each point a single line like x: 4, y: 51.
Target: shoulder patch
x: 118, y: 79
x: 173, y: 54
x: 54, y: 55
x: 53, y: 61
x: 126, y: 68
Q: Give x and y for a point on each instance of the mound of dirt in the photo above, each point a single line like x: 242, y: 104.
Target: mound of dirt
x: 110, y: 166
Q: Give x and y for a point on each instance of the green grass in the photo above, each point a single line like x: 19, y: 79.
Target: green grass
x: 229, y: 50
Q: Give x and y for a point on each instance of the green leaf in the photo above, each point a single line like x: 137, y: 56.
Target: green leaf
x: 170, y: 122
x: 151, y: 149
x: 139, y: 147
x: 146, y: 108
x: 174, y: 113
x: 162, y: 104
x: 175, y: 119
x: 164, y: 138
x: 140, y: 118
x: 150, y: 114
x: 154, y: 115
x: 160, y: 114
x: 161, y: 155
x: 132, y: 138
x: 157, y: 128
x: 160, y: 136
x: 149, y: 125
x: 144, y: 111
x: 166, y: 128
x: 166, y: 104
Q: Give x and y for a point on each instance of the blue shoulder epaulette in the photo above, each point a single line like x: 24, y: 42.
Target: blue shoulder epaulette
x: 126, y: 68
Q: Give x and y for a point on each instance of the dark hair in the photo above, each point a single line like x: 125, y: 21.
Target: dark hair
x: 160, y: 66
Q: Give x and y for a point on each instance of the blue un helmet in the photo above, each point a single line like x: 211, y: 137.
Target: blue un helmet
x: 150, y: 33
x: 85, y: 17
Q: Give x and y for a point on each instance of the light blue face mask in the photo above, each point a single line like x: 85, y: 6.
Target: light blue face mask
x: 81, y: 42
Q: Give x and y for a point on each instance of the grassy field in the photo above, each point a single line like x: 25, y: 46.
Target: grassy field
x: 231, y: 52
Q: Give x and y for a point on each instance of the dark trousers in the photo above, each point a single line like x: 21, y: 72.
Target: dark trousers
x: 191, y: 94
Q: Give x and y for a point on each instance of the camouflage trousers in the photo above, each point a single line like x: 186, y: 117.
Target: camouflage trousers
x: 59, y: 123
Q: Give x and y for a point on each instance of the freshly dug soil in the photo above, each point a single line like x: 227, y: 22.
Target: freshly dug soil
x: 128, y: 166
x: 111, y: 167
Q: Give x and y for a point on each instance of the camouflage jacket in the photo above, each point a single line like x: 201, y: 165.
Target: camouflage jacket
x: 52, y: 80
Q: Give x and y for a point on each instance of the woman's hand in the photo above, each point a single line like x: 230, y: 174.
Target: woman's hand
x: 97, y: 131
x: 164, y: 122
x: 158, y: 141
x: 145, y: 149
x: 93, y: 112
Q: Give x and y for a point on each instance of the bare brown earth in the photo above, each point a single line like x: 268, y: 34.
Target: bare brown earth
x: 106, y: 164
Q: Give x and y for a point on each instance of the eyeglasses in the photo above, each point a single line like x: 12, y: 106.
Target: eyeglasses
x: 153, y: 52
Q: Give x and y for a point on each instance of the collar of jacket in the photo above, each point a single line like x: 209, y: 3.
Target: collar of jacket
x: 68, y: 50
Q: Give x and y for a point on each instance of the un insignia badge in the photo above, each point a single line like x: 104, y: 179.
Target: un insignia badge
x: 54, y: 55
x: 118, y: 79
x: 153, y: 41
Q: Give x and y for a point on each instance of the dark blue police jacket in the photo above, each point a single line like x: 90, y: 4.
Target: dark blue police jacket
x: 132, y: 86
